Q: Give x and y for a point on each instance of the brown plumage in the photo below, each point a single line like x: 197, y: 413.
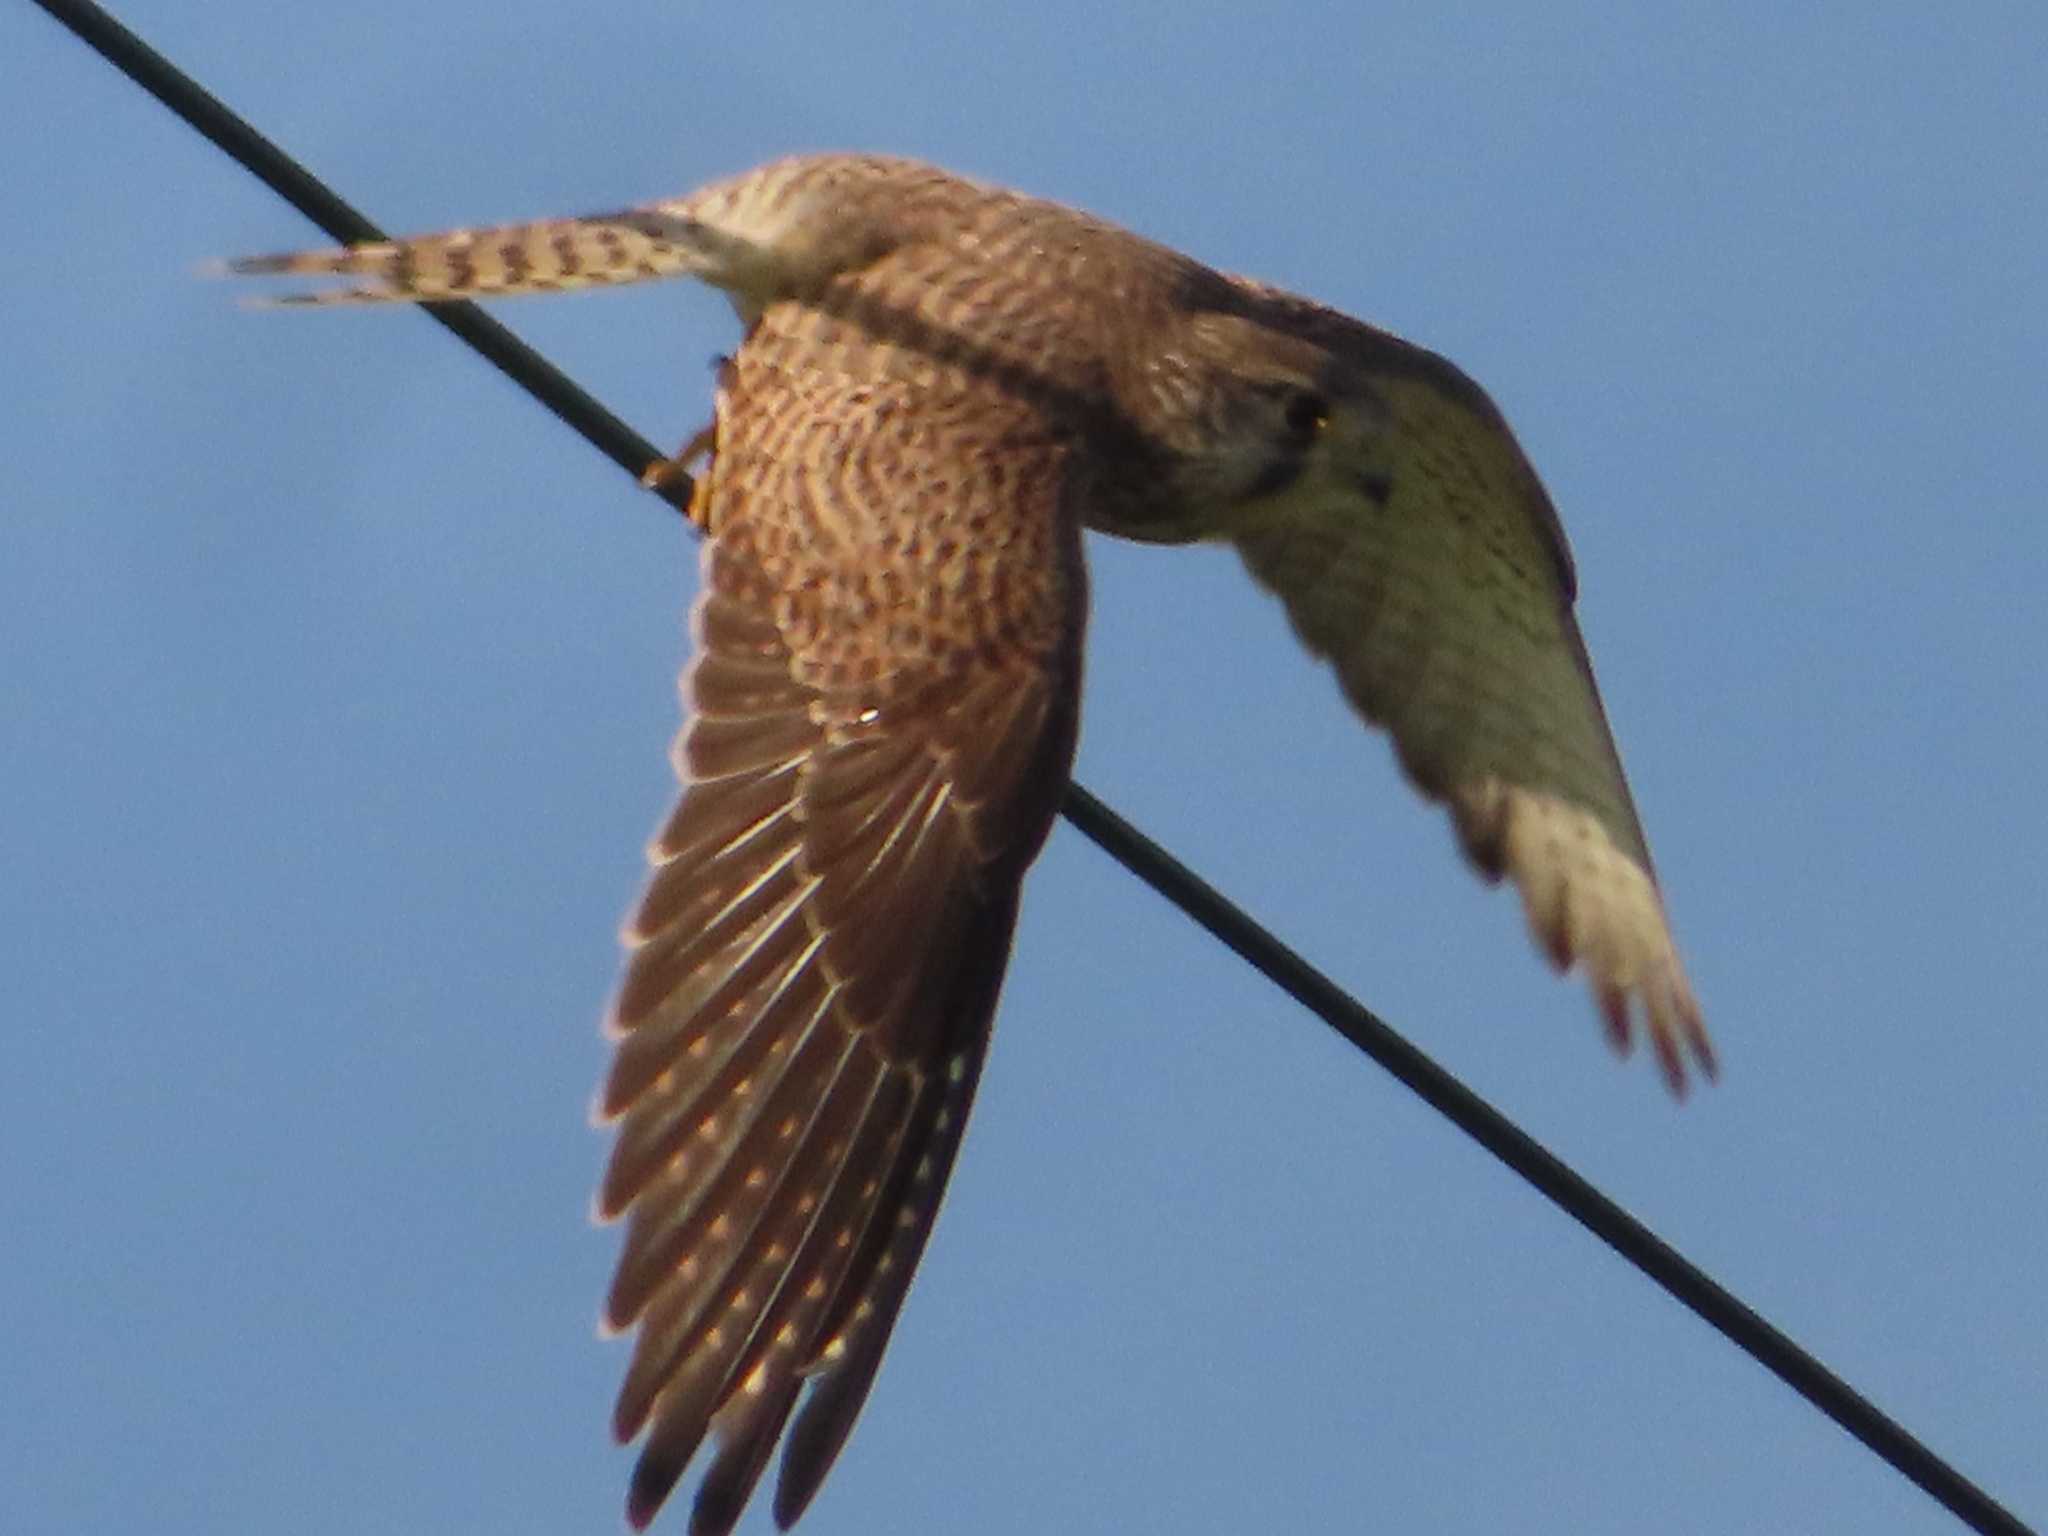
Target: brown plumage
x: 940, y: 384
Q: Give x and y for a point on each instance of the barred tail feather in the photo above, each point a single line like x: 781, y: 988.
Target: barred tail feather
x: 633, y: 245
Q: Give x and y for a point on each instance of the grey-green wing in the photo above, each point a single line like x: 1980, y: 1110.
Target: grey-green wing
x: 1443, y: 599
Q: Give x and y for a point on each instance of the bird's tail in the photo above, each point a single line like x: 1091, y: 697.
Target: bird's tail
x: 777, y: 232
x: 634, y: 245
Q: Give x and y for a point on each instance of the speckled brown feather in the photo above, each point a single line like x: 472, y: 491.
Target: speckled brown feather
x: 881, y: 720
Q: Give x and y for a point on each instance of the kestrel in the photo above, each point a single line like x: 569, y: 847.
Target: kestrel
x: 940, y: 385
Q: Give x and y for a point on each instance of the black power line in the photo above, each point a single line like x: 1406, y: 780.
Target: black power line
x: 1635, y: 1242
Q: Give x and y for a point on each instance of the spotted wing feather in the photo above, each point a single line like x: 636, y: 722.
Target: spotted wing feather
x: 813, y: 973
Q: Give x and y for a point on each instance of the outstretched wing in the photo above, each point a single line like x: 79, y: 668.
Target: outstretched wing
x: 814, y: 969
x: 1442, y: 594
x: 815, y: 964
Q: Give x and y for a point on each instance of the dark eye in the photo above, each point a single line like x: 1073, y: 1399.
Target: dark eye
x: 1306, y: 414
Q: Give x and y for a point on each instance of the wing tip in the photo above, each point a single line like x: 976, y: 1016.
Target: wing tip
x: 1591, y: 904
x: 1669, y: 1017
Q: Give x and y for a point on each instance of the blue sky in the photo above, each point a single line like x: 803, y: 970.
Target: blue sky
x: 339, y: 681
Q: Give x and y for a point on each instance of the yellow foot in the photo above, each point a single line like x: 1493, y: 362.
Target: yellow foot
x: 674, y: 481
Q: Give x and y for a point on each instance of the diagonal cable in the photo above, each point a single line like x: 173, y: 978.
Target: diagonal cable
x: 1543, y: 1170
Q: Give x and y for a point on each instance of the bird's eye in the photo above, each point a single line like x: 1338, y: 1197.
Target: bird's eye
x: 1306, y: 414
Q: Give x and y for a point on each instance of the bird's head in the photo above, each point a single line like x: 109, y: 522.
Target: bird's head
x: 1246, y: 400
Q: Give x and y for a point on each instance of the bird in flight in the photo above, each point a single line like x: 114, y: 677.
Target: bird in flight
x: 940, y: 384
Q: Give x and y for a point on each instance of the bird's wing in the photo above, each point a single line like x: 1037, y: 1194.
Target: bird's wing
x: 1442, y: 594
x: 812, y: 976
